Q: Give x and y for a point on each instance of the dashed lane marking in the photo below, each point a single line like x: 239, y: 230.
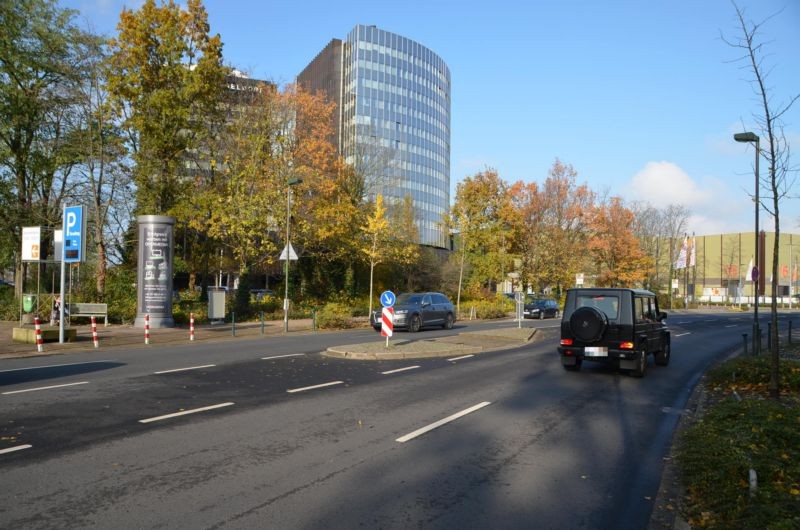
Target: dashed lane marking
x: 682, y: 334
x: 17, y: 448
x: 44, y: 388
x: 282, y: 356
x: 184, y: 369
x: 432, y: 426
x: 185, y: 412
x: 314, y: 387
x: 399, y: 370
x: 461, y: 358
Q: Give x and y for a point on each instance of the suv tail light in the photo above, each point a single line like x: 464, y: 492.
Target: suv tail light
x: 566, y: 342
x: 625, y: 345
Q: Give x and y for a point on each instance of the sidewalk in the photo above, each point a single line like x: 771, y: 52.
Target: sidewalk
x: 116, y: 335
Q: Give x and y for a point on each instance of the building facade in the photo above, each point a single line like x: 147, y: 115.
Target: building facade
x: 393, y: 119
x: 721, y: 270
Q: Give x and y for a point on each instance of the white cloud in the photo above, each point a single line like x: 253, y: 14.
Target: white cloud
x: 665, y: 183
x: 716, y: 208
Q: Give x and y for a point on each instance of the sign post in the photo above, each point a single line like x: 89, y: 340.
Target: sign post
x: 73, y: 250
x: 387, y: 314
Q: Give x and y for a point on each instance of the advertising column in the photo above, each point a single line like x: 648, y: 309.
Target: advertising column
x: 154, y: 271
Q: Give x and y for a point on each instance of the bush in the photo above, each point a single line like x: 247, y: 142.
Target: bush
x: 335, y: 315
x: 486, y: 309
x: 121, y: 294
x: 9, y: 304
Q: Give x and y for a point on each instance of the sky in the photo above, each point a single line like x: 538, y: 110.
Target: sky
x: 641, y: 97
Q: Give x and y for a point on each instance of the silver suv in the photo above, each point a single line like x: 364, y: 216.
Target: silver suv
x: 413, y: 311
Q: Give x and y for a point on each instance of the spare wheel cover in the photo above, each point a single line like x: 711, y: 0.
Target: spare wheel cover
x: 588, y: 324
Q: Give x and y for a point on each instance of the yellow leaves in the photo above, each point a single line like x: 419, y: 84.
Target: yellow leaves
x: 794, y: 491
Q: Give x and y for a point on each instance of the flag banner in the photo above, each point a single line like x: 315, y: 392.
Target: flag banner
x: 693, y: 254
x: 681, y: 263
x: 749, y: 277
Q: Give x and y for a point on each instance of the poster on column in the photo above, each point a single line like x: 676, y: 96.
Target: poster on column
x: 155, y: 267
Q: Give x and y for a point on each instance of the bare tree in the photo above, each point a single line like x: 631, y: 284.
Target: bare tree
x: 780, y: 178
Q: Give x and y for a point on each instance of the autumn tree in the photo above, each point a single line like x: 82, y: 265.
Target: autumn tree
x: 779, y: 179
x: 165, y: 79
x: 480, y: 214
x: 615, y: 251
x: 377, y: 240
x: 41, y: 63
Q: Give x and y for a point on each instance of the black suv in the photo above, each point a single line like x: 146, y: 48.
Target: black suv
x: 617, y: 326
x: 414, y: 311
x: 541, y: 309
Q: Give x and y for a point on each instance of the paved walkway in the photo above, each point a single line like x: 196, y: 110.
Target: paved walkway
x: 116, y: 335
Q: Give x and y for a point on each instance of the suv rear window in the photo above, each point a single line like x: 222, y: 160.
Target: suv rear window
x: 605, y: 303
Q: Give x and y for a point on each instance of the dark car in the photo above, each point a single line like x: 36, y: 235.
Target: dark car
x: 414, y: 311
x: 544, y: 308
x: 616, y: 326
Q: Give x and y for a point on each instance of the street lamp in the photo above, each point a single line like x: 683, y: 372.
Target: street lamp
x: 749, y: 137
x: 290, y: 183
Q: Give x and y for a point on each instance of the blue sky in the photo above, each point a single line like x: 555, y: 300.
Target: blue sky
x: 641, y: 97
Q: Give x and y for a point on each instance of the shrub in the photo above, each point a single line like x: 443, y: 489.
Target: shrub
x: 9, y: 304
x: 121, y: 294
x: 335, y: 315
x: 485, y: 309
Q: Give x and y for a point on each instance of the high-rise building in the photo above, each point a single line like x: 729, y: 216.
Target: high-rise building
x: 393, y: 118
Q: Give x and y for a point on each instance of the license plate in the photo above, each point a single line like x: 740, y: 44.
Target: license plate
x: 595, y: 351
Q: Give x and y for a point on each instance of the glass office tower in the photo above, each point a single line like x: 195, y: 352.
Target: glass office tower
x: 394, y: 120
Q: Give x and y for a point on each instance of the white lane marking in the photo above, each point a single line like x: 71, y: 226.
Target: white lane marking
x: 53, y: 366
x: 17, y: 448
x: 682, y: 334
x: 462, y: 357
x: 184, y: 369
x: 185, y: 412
x: 292, y: 391
x: 400, y: 370
x: 282, y: 356
x: 44, y: 388
x: 732, y: 326
x: 686, y: 322
x: 420, y: 432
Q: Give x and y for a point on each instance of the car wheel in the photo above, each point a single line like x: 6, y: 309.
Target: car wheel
x: 662, y: 357
x: 414, y: 324
x: 588, y: 324
x: 448, y: 321
x: 377, y: 328
x: 557, y: 314
x: 641, y: 364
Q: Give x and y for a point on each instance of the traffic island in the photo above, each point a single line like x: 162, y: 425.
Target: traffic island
x: 462, y: 344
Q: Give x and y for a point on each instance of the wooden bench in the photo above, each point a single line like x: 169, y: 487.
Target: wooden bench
x: 81, y: 309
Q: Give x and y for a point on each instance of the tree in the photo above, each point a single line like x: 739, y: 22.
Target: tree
x: 40, y: 65
x: 614, y: 249
x: 778, y: 180
x: 165, y: 79
x: 377, y: 238
x: 554, y: 218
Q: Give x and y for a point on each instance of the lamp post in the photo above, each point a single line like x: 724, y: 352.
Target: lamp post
x: 289, y: 184
x: 749, y: 137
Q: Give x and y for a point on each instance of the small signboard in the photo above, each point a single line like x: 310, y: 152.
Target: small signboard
x: 579, y: 279
x: 291, y: 253
x: 31, y: 243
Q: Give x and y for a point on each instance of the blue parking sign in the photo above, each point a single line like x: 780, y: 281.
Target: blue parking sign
x: 74, y: 226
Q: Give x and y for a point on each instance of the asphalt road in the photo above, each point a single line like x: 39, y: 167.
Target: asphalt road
x: 272, y: 434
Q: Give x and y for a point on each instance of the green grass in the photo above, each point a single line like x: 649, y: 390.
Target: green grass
x: 736, y: 434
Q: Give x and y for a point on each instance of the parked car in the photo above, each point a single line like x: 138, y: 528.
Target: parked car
x: 544, y: 308
x: 414, y: 311
x: 616, y: 326
x: 259, y: 294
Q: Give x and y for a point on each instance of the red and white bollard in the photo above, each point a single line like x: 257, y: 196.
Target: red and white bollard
x: 38, y: 327
x: 191, y: 326
x: 147, y: 329
x: 94, y: 333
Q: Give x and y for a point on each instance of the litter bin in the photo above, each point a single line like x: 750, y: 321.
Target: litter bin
x: 29, y: 302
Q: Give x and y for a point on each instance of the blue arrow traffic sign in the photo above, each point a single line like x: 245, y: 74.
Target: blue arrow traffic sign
x: 387, y: 298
